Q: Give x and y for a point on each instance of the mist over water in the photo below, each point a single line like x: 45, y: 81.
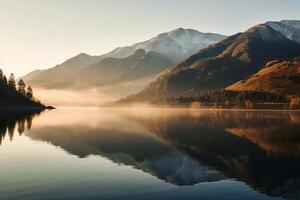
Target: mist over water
x: 89, y: 95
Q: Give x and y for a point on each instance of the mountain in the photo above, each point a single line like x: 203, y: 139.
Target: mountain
x: 61, y: 75
x: 222, y: 64
x: 289, y: 28
x: 115, y: 70
x: 279, y: 77
x: 174, y: 46
x: 33, y: 74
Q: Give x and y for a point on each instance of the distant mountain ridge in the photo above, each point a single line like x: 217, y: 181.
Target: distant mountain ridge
x: 114, y: 70
x: 61, y: 75
x: 171, y: 46
x: 176, y: 45
x: 222, y: 64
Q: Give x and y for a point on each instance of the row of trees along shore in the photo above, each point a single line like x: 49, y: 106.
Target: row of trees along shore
x: 19, y: 87
x: 247, y: 99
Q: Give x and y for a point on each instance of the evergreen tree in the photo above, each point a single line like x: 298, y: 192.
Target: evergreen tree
x: 12, y: 81
x: 1, y: 74
x: 4, y: 80
x: 21, y: 87
x: 29, y: 93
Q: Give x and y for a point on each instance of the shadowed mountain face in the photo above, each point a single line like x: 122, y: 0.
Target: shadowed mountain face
x: 163, y: 50
x: 279, y: 77
x: 222, y: 64
x: 187, y: 147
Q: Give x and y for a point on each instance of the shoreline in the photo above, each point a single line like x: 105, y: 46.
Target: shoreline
x: 26, y: 108
x: 142, y: 106
x: 168, y: 107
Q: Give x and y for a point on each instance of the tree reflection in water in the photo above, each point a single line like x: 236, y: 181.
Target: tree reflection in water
x: 10, y: 121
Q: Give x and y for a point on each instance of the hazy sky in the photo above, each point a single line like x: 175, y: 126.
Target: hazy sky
x: 43, y: 33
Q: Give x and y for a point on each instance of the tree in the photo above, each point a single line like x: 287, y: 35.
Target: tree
x: 22, y: 87
x: 21, y: 126
x: 29, y: 93
x: 4, y: 80
x: 12, y: 81
x: 295, y: 102
x: 248, y: 104
x: 1, y: 74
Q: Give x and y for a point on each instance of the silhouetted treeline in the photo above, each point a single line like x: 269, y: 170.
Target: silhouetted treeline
x: 241, y: 99
x: 222, y: 98
x: 12, y: 121
x: 13, y: 95
x: 235, y: 97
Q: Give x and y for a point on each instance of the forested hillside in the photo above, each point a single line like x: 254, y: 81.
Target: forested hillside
x: 16, y: 95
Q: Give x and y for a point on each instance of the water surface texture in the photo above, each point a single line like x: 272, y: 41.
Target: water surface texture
x: 77, y: 153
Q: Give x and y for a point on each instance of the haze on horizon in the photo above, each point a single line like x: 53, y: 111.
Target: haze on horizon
x: 40, y: 34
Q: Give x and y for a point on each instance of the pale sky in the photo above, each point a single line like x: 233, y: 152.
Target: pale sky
x: 42, y: 33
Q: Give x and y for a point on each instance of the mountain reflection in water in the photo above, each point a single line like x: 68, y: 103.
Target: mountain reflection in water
x: 183, y: 147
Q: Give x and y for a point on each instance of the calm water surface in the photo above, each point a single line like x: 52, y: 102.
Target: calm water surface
x: 76, y: 153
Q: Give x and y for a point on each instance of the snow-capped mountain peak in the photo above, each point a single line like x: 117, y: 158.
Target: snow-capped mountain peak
x: 180, y: 43
x: 176, y: 45
x: 288, y: 28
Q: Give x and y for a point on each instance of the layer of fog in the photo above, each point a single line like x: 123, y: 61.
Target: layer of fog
x: 92, y: 96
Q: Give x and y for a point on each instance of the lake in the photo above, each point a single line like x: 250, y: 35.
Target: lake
x: 91, y: 153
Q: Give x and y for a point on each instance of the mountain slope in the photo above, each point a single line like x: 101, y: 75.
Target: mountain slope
x: 61, y: 75
x: 279, y: 77
x: 289, y: 28
x: 115, y: 70
x: 174, y: 45
x: 222, y: 64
